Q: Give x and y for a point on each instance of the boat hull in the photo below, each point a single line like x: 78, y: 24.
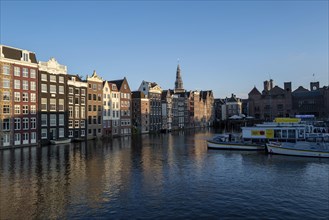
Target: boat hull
x: 55, y: 142
x: 274, y: 148
x: 233, y: 146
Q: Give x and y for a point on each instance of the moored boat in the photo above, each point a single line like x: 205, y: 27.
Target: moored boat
x: 60, y: 141
x: 312, y: 147
x: 232, y: 142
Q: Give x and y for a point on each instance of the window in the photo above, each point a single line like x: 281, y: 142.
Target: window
x: 82, y: 101
x: 99, y: 97
x: 76, y: 123
x: 94, y: 108
x: 70, y: 111
x: 25, y: 123
x: 25, y: 56
x: 61, y: 105
x: 61, y: 79
x: 44, y: 88
x: 82, y: 123
x: 44, y: 120
x: 61, y: 119
x: 61, y: 132
x: 99, y: 87
x: 6, y: 96
x: 17, y: 124
x: 33, y: 97
x: 25, y: 97
x: 52, y: 78
x: 77, y: 91
x: 17, y: 109
x: 25, y: 109
x: 89, y: 96
x: 17, y: 71
x: 33, y: 109
x: 32, y: 73
x: 6, y: 109
x: 76, y: 100
x: 43, y: 77
x: 61, y: 89
x: 70, y: 123
x: 44, y: 133
x: 82, y: 113
x: 83, y: 92
x: 94, y: 87
x: 6, y: 83
x: 17, y: 84
x: 43, y: 104
x: 70, y: 133
x: 94, y: 97
x: 70, y: 90
x: 83, y: 133
x: 77, y: 112
x: 89, y: 107
x: 99, y: 120
x: 6, y: 124
x: 25, y: 138
x: 17, y: 138
x: 52, y: 105
x: 53, y: 120
x: 33, y: 123
x: 6, y: 69
x: 33, y: 86
x: 89, y: 120
x: 25, y: 72
x: 33, y: 137
x: 52, y: 89
x: 70, y: 100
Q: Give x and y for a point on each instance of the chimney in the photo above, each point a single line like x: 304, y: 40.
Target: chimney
x: 266, y: 85
x: 287, y: 86
x: 271, y: 83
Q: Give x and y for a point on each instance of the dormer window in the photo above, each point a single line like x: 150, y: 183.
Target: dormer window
x: 26, y: 56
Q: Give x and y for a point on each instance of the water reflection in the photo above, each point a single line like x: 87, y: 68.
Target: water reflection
x: 164, y: 175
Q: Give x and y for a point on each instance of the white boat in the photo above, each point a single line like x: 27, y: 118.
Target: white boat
x: 256, y: 137
x: 60, y: 141
x: 232, y: 142
x: 311, y: 147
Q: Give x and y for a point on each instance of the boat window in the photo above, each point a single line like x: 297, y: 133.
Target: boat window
x: 277, y: 133
x: 291, y: 134
x: 284, y: 134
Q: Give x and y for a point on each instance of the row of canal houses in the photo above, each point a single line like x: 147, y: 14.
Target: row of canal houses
x: 40, y: 101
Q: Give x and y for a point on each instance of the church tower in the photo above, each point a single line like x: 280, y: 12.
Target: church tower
x: 179, y: 82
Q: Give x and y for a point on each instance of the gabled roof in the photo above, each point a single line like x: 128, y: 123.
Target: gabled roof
x: 254, y: 91
x: 300, y: 89
x: 277, y: 91
x: 118, y: 83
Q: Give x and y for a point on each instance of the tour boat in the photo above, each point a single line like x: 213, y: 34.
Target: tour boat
x: 60, y: 141
x: 316, y: 145
x: 256, y: 137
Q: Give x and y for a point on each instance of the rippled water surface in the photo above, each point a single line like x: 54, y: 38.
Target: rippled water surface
x: 159, y: 176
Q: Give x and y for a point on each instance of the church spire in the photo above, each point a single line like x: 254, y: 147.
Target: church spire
x: 179, y: 81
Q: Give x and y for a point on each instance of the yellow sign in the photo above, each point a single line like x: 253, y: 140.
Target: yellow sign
x: 287, y: 120
x: 269, y: 133
x: 257, y: 133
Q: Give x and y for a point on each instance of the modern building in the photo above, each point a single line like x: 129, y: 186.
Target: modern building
x: 95, y: 106
x: 53, y: 101
x: 77, y: 104
x: 140, y: 112
x: 18, y: 97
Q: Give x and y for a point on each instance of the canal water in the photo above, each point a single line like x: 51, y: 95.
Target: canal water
x: 165, y: 176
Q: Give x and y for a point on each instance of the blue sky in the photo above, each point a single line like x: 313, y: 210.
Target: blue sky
x: 228, y: 47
